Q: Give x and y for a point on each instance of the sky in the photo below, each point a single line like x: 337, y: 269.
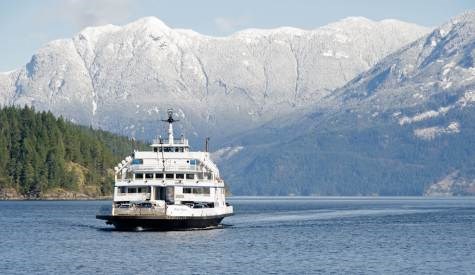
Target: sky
x: 27, y: 25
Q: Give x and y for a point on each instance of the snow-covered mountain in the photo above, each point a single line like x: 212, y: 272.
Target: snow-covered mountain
x: 404, y: 127
x: 124, y: 78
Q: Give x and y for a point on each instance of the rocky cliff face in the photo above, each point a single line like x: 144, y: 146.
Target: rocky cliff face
x: 123, y: 78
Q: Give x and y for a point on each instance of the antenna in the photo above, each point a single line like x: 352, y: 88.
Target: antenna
x: 170, y: 121
x: 163, y: 157
x: 206, y: 144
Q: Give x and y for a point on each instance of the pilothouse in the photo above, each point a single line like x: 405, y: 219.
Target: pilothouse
x: 168, y: 188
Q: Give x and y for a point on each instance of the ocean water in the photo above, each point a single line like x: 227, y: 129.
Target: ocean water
x: 289, y: 235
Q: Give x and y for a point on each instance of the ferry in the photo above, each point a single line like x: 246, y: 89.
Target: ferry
x: 167, y: 188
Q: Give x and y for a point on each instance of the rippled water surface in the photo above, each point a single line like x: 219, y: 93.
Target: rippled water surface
x: 266, y: 235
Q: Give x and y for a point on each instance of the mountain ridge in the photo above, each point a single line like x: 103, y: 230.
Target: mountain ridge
x: 146, y: 63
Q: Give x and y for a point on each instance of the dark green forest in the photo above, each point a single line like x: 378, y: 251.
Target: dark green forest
x: 40, y: 153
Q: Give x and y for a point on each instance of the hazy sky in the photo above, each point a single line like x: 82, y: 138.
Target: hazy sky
x: 26, y: 25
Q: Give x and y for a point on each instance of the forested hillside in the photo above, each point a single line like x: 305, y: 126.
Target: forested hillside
x: 43, y: 156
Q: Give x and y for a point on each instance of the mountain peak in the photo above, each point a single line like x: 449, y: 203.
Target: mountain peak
x: 356, y: 19
x: 148, y: 22
x: 265, y: 32
x: 359, y: 22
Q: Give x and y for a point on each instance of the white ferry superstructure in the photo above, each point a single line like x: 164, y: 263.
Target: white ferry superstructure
x: 168, y: 188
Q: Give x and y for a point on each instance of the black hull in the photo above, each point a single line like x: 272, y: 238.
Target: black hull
x: 161, y: 223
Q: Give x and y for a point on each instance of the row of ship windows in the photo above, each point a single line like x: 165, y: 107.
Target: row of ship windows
x: 164, y: 176
x: 196, y: 190
x: 146, y: 189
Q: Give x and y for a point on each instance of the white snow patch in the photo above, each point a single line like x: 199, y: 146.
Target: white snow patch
x: 154, y: 109
x: 467, y: 98
x: 446, y: 84
x: 328, y: 53
x: 338, y: 55
x: 94, y: 107
x: 226, y: 153
x: 443, y: 32
x: 341, y: 38
x: 341, y: 55
x: 417, y: 95
x: 424, y: 116
x: 431, y: 133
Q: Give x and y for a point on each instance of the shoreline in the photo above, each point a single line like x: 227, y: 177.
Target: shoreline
x: 109, y: 198
x: 106, y: 198
x: 11, y: 194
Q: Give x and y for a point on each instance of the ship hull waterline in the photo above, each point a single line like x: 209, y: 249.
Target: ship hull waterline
x: 163, y: 223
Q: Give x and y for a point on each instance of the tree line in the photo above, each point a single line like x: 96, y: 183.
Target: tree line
x: 39, y: 151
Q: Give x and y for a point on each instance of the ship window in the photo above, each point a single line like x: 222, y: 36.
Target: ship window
x: 169, y: 176
x: 190, y: 176
x: 137, y: 161
x: 181, y: 149
x: 167, y: 149
x: 193, y: 161
x: 155, y: 149
x: 139, y: 176
x: 177, y: 149
x: 160, y: 149
x: 144, y: 189
x: 196, y: 190
x: 159, y: 175
x: 149, y: 176
x: 201, y: 190
x: 131, y: 190
x: 180, y: 176
x: 122, y: 190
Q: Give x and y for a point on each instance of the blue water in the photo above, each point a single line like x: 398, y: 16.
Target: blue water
x: 266, y: 235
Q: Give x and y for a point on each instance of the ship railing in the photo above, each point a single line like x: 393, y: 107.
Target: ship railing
x: 156, y: 181
x: 170, y: 167
x: 139, y: 211
x: 166, y: 142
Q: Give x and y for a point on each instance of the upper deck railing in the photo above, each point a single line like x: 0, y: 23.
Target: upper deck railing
x: 166, y: 142
x: 168, y: 167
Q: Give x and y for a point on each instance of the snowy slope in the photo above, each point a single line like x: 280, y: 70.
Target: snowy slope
x: 122, y: 78
x: 404, y: 127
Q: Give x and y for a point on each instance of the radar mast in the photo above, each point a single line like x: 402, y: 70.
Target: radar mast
x: 170, y: 121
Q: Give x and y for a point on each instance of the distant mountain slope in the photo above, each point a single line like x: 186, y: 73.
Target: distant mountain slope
x: 121, y: 78
x: 404, y: 127
x: 42, y: 156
